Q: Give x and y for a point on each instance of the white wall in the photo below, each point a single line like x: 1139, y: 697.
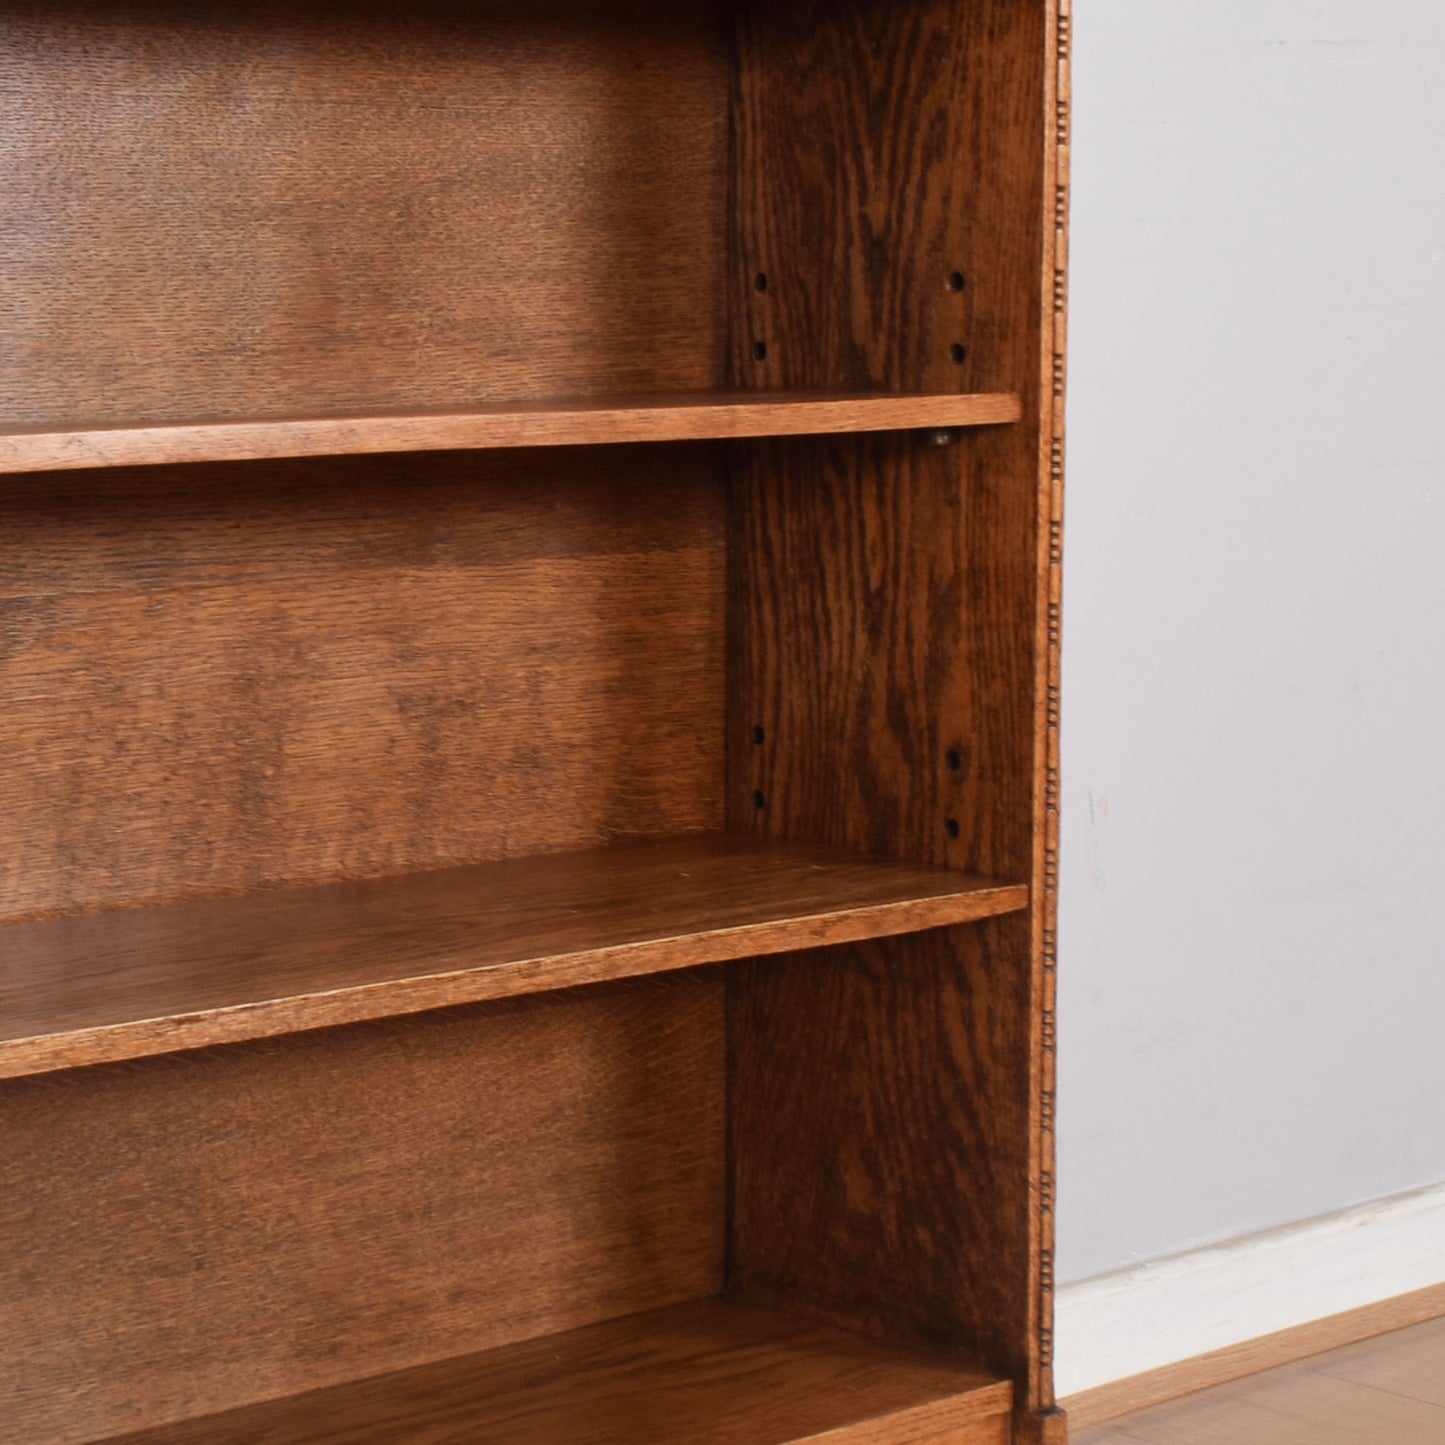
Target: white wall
x: 1253, y: 929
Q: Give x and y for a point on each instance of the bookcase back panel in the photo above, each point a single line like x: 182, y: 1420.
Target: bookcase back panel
x: 219, y: 678
x: 280, y: 207
x: 206, y: 1230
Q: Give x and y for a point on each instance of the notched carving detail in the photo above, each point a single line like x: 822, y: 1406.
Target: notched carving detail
x: 1048, y: 1029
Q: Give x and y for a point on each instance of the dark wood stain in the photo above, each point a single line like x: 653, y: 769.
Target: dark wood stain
x: 886, y: 632
x: 221, y: 679
x: 878, y: 624
x: 208, y: 1230
x: 275, y: 209
x: 876, y: 1150
x: 347, y: 635
x: 126, y: 984
x: 711, y: 1373
x: 643, y: 417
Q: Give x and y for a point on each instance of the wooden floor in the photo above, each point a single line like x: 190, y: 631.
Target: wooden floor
x: 1385, y: 1391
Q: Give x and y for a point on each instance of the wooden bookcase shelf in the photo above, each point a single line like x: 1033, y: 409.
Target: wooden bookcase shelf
x: 510, y: 931
x: 712, y: 1370
x: 583, y: 422
x: 122, y: 985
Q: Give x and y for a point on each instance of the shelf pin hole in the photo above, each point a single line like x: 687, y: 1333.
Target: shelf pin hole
x: 940, y: 437
x: 759, y: 801
x: 959, y: 353
x: 951, y: 828
x: 954, y: 759
x: 760, y: 281
x: 760, y: 351
x: 955, y: 281
x: 758, y: 737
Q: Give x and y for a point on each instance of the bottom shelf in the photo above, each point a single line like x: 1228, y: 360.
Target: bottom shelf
x: 713, y: 1372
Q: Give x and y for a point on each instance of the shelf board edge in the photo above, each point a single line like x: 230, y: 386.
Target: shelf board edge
x: 665, y: 951
x: 699, y: 417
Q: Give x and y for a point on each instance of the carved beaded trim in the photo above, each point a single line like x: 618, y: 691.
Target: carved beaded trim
x: 1048, y: 1026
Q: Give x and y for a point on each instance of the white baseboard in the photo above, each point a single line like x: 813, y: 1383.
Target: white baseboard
x: 1156, y: 1314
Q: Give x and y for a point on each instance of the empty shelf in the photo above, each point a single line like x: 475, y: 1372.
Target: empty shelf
x: 709, y: 1373
x: 129, y: 983
x: 589, y: 422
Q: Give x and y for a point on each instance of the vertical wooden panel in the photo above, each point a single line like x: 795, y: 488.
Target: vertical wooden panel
x: 886, y: 595
x: 206, y: 1230
x: 254, y: 208
x: 881, y: 639
x: 218, y: 678
x: 880, y: 1141
x: 887, y: 627
x: 880, y: 152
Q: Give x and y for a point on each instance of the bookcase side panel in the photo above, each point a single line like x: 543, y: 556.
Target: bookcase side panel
x: 892, y: 612
x: 880, y: 1141
x: 888, y: 233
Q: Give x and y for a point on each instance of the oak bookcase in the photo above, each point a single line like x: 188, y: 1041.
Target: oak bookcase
x: 528, y: 685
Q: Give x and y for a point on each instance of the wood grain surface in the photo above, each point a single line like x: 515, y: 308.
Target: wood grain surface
x: 343, y: 226
x: 208, y: 1230
x: 222, y: 678
x: 881, y: 596
x: 276, y: 210
x: 887, y: 170
x: 699, y: 415
x: 884, y: 594
x: 710, y: 1373
x: 877, y: 1140
x: 889, y: 621
x: 129, y: 983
